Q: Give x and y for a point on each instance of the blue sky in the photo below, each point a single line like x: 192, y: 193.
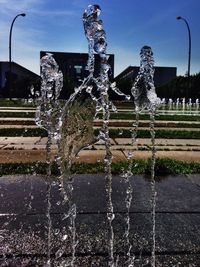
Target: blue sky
x: 129, y: 24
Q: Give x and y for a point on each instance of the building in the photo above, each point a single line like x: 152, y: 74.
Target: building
x: 162, y: 75
x: 73, y: 67
x: 126, y: 78
x: 17, y: 83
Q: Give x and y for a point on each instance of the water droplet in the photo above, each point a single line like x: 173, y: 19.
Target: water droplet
x: 64, y: 237
x: 89, y: 89
x: 110, y: 216
x: 59, y: 253
x: 130, y: 154
x: 56, y: 231
x: 121, y: 132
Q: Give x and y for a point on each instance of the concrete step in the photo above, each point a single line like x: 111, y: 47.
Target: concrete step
x: 112, y: 123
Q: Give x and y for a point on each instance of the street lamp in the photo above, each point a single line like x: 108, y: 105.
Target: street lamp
x: 189, y: 35
x: 10, y: 37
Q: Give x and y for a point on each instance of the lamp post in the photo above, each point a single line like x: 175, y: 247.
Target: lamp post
x: 10, y: 64
x: 189, y: 35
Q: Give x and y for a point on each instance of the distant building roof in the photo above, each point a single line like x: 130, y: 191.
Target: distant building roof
x: 162, y: 74
x: 27, y: 71
x: 17, y: 82
x: 74, y: 68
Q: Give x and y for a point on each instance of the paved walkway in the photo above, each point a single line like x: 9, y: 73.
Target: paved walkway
x: 29, y: 149
x: 113, y: 123
x: 25, y: 223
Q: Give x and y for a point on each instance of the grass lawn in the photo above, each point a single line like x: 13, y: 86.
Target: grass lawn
x: 162, y: 167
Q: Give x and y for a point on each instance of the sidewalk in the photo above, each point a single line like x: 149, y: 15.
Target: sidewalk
x: 25, y: 223
x: 112, y: 123
x: 30, y: 149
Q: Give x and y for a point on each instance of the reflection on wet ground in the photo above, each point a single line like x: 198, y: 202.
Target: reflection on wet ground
x: 23, y: 221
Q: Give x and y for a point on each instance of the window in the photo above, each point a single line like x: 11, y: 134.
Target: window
x: 78, y: 69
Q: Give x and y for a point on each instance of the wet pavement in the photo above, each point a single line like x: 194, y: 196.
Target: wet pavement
x: 24, y: 221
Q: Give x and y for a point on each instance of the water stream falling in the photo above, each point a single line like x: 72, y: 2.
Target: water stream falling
x: 75, y: 129
x: 145, y: 97
x: 72, y: 128
x: 48, y: 117
x: 97, y: 43
x: 127, y: 174
x: 48, y: 113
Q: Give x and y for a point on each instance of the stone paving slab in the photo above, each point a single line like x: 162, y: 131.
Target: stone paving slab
x: 148, y: 147
x: 174, y: 194
x: 189, y: 156
x: 17, y: 110
x: 24, y: 233
x: 28, y: 147
x: 145, y: 123
x: 27, y: 234
x: 15, y: 120
x: 18, y: 140
x: 195, y: 179
x: 23, y: 156
x: 112, y: 123
x: 39, y: 155
x: 93, y: 156
x: 31, y: 149
x: 114, y: 141
x: 161, y: 141
x: 102, y: 261
x: 18, y: 126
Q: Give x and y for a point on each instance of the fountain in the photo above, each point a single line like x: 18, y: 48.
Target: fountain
x: 177, y: 103
x: 145, y: 97
x: 197, y: 104
x: 86, y: 220
x: 183, y: 104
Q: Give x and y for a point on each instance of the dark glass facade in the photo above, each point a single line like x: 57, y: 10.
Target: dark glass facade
x: 73, y: 67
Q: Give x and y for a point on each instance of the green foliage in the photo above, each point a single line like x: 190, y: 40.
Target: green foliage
x: 164, y: 117
x: 177, y: 134
x: 181, y: 87
x: 162, y: 167
x: 165, y: 133
x: 171, y: 166
x: 17, y: 114
x: 22, y: 168
x: 5, y: 102
x: 26, y: 132
x: 114, y: 133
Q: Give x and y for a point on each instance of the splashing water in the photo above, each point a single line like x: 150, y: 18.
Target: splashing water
x: 143, y: 89
x: 48, y: 112
x: 72, y: 127
x: 97, y: 43
x: 127, y: 174
x: 48, y: 116
x: 145, y: 96
x: 78, y: 114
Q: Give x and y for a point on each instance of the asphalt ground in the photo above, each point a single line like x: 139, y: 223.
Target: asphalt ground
x: 25, y: 222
